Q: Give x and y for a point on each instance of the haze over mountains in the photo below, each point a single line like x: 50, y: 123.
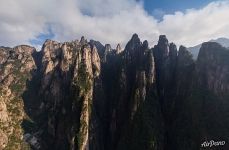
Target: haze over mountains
x: 195, y: 49
x: 82, y: 95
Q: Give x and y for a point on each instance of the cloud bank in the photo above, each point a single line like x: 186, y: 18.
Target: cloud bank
x: 108, y: 21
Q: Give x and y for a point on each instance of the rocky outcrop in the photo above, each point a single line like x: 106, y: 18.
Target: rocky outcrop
x: 3, y: 140
x: 136, y: 91
x: 118, y: 49
x: 213, y: 68
x: 16, y: 69
x: 72, y: 66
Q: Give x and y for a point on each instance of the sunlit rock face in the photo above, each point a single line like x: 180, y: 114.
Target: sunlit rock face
x: 82, y: 95
x: 16, y: 68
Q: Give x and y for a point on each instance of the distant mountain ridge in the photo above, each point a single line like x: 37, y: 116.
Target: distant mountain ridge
x: 195, y: 49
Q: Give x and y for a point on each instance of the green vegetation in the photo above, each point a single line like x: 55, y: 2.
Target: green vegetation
x: 17, y: 88
x: 15, y: 107
x: 82, y: 85
x: 83, y: 78
x: 21, y: 78
x: 81, y: 134
x: 14, y: 141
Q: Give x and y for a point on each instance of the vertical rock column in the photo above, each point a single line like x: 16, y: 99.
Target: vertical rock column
x: 87, y: 68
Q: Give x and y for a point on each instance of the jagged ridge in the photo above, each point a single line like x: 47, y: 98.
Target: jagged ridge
x: 83, y: 95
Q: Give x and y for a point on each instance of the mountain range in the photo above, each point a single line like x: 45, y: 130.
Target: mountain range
x: 82, y: 95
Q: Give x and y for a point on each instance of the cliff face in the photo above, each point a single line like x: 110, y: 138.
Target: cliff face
x: 67, y: 73
x: 83, y: 95
x: 16, y: 70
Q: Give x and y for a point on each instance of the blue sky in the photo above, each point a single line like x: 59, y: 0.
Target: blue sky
x: 170, y: 6
x: 40, y: 38
x: 159, y: 7
x: 184, y: 22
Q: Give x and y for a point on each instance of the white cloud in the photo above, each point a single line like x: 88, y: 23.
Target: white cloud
x: 109, y: 21
x: 196, y: 26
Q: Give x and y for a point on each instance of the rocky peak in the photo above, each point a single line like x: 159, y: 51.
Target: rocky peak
x: 135, y: 37
x: 184, y: 56
x: 108, y: 48
x: 17, y: 52
x: 134, y: 43
x: 100, y: 47
x: 83, y: 40
x: 26, y: 49
x: 163, y: 41
x: 72, y: 66
x: 51, y: 51
x: 96, y: 66
x: 105, y: 52
x: 145, y: 45
x: 162, y: 48
x: 172, y: 51
x: 208, y: 49
x: 118, y: 49
x: 212, y: 65
x: 133, y: 48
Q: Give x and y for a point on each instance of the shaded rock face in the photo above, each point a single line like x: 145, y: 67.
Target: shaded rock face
x: 84, y: 95
x: 126, y: 82
x: 200, y: 111
x: 209, y: 96
x: 214, y: 75
x: 165, y: 55
x: 134, y: 87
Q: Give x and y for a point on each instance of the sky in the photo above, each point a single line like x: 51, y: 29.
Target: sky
x: 184, y: 22
x: 158, y: 8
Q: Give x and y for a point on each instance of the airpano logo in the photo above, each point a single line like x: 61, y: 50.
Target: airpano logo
x: 212, y: 143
